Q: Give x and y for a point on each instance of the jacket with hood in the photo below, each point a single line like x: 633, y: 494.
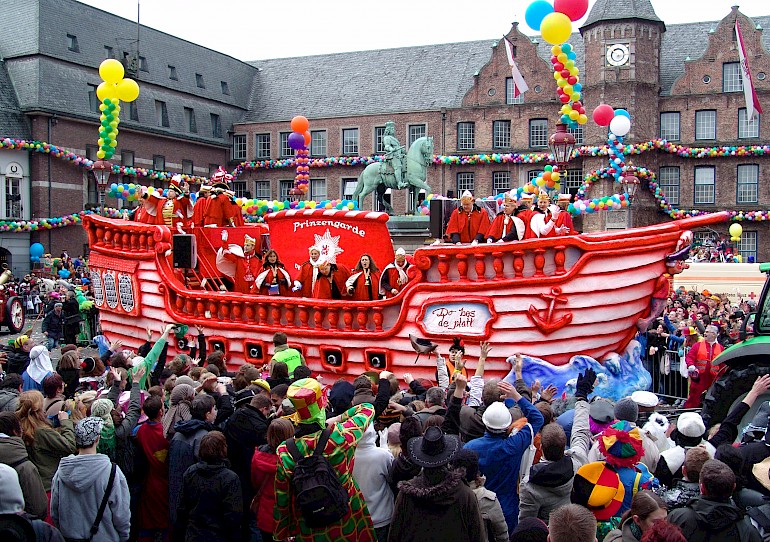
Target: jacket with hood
x: 124, y: 456
x: 679, y: 495
x: 210, y: 505
x: 49, y: 447
x: 9, y: 400
x: 76, y: 493
x: 14, y: 453
x: 444, y: 511
x: 182, y: 454
x: 716, y: 521
x: 623, y: 534
x: 370, y: 471
x: 264, y: 465
x: 550, y: 482
x: 401, y: 470
x: 491, y: 512
x: 38, y: 370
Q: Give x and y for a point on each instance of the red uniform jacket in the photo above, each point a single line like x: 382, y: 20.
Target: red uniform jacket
x: 468, y: 225
x: 219, y: 211
x: 334, y: 288
x: 306, y: 279
x: 361, y: 290
x: 199, y: 211
x: 565, y: 219
x: 541, y: 225
x: 514, y: 230
x: 246, y: 271
x: 389, y: 279
x: 274, y: 275
x: 183, y: 212
x: 141, y: 215
x: 526, y: 217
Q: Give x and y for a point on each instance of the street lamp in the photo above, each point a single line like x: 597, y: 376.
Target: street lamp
x: 631, y: 185
x: 561, y: 144
x: 102, y: 170
x: 295, y: 194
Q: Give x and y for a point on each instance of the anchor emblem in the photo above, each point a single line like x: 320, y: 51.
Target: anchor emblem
x: 548, y: 325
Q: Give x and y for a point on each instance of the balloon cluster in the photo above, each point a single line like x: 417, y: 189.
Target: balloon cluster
x: 299, y: 140
x: 606, y: 203
x: 36, y: 251
x: 568, y: 85
x: 253, y: 208
x: 617, y: 159
x: 133, y: 192
x: 114, y: 89
x: 554, y: 22
x: 26, y: 226
x: 619, y: 120
x: 548, y: 180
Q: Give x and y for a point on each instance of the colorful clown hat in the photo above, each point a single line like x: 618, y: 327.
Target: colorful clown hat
x: 598, y: 487
x: 621, y: 444
x: 306, y: 396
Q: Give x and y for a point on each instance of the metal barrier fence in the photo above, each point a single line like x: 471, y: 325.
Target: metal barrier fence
x: 667, y: 381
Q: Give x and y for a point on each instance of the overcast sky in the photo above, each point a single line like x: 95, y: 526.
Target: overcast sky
x: 259, y: 29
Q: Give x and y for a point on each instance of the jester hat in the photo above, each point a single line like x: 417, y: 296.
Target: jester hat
x: 621, y: 444
x: 306, y: 396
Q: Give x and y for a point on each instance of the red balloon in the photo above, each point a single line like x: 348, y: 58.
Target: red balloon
x: 307, y: 139
x: 572, y: 79
x: 558, y: 67
x: 564, y: 98
x: 574, y: 9
x: 554, y: 60
x: 576, y: 105
x: 559, y: 91
x: 603, y: 115
x: 565, y: 74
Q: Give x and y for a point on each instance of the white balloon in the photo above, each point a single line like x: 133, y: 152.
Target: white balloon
x: 620, y: 125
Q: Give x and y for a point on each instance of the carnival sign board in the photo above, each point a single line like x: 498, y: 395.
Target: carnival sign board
x: 469, y: 318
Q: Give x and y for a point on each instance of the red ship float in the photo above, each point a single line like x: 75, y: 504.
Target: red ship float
x: 553, y: 299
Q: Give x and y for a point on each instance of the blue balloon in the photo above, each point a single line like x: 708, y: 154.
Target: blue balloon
x: 622, y: 112
x: 536, y: 12
x: 566, y: 48
x: 36, y: 249
x: 63, y: 273
x: 577, y: 87
x: 572, y: 55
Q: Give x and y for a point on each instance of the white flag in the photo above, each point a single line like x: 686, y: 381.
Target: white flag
x: 752, y: 101
x: 519, y: 85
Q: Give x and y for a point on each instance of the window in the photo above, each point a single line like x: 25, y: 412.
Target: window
x: 501, y: 134
x: 731, y: 77
x: 262, y: 189
x: 318, y: 189
x: 706, y: 124
x: 465, y: 181
x: 501, y: 181
x: 91, y: 151
x: 379, y: 133
x: 216, y: 126
x: 572, y: 181
x: 669, y: 126
x: 283, y: 189
x: 189, y: 120
x: 127, y: 158
x: 225, y: 88
x: 13, y: 207
x: 161, y: 114
x: 262, y: 144
x: 668, y: 180
x: 509, y: 99
x: 159, y: 162
x: 348, y: 187
x: 748, y: 183
x: 187, y: 167
x: 577, y: 132
x: 239, y: 147
x: 532, y: 174
x: 199, y: 80
x: 285, y: 149
x: 705, y: 178
x: 172, y: 73
x: 72, y: 43
x: 93, y: 99
x: 350, y: 141
x: 747, y: 128
x: 92, y: 192
x: 466, y: 138
x: 318, y: 143
x: 143, y: 64
x: 416, y: 131
x: 133, y: 111
x: 538, y: 133
x: 108, y: 52
x: 240, y: 189
x: 747, y: 247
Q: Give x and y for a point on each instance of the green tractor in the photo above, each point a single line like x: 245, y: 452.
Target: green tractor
x: 746, y: 361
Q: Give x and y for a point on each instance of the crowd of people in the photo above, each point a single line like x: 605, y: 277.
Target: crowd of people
x: 134, y: 446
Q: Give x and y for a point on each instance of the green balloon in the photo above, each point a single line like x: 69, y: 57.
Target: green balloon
x: 103, y: 134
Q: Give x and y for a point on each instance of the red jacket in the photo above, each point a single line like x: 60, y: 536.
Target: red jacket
x: 263, y: 468
x: 468, y: 225
x: 362, y: 292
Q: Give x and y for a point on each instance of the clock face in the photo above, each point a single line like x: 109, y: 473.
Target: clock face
x: 617, y: 54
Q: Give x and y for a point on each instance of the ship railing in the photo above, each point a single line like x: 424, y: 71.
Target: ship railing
x: 126, y: 239
x: 213, y: 280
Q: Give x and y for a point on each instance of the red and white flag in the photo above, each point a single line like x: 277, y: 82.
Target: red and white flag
x: 519, y: 85
x: 752, y: 101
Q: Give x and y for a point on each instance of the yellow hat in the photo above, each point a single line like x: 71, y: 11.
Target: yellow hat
x: 510, y: 196
x: 543, y: 196
x: 262, y: 384
x: 249, y: 239
x: 466, y: 197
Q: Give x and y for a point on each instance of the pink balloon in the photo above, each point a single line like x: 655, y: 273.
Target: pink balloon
x: 574, y: 9
x: 603, y: 115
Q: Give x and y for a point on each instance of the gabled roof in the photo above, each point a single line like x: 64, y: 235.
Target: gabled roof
x: 13, y: 123
x: 613, y: 10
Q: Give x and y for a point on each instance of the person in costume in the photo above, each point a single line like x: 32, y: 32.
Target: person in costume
x: 235, y: 210
x: 273, y: 279
x: 564, y: 224
x: 331, y: 281
x: 140, y: 214
x: 308, y: 274
x: 394, y: 276
x: 701, y: 367
x: 219, y: 210
x: 181, y: 218
x: 241, y: 264
x: 525, y: 212
x: 507, y: 226
x: 468, y: 223
x: 201, y: 204
x: 364, y: 283
x: 543, y: 220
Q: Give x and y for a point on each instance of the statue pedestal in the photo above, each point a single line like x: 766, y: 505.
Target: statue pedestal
x: 409, y: 232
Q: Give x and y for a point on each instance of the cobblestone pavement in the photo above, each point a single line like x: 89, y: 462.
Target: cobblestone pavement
x: 39, y: 338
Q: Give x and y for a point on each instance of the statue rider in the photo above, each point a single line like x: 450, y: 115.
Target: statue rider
x: 394, y: 154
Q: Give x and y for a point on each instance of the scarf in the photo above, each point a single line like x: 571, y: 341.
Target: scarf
x: 102, y: 408
x: 39, y: 364
x: 179, y: 409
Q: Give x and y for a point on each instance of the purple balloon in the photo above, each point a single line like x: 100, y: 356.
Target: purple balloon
x: 296, y: 141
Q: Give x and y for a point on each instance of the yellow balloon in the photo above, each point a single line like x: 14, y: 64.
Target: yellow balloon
x: 736, y: 230
x: 127, y: 90
x: 582, y: 119
x: 569, y: 64
x: 565, y: 109
x: 111, y: 70
x: 102, y: 91
x: 574, y: 115
x: 567, y: 89
x: 561, y: 82
x: 555, y: 176
x: 100, y: 154
x: 574, y: 71
x: 555, y: 50
x: 556, y: 28
x: 561, y: 57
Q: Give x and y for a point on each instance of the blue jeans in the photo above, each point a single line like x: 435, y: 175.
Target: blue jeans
x: 53, y: 343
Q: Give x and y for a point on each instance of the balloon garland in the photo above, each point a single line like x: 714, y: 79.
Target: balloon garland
x: 25, y: 226
x: 568, y: 86
x: 299, y: 140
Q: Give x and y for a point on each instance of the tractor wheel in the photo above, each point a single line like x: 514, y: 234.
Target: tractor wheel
x: 726, y: 390
x: 14, y: 315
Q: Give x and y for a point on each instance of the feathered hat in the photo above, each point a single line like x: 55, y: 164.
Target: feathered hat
x: 249, y: 239
x: 510, y: 197
x: 466, y: 197
x: 176, y: 184
x: 543, y: 196
x: 221, y: 179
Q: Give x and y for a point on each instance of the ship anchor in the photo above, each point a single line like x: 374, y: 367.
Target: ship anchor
x: 548, y: 325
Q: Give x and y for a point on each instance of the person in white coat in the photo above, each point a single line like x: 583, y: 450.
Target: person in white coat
x: 370, y: 471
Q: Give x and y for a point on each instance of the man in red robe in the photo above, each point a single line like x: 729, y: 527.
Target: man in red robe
x: 543, y: 219
x: 242, y: 265
x: 201, y: 205
x: 364, y: 283
x: 140, y: 213
x: 468, y: 223
x: 308, y: 274
x: 330, y: 283
x: 525, y: 213
x: 219, y: 210
x: 564, y: 225
x: 394, y: 277
x: 179, y: 190
x: 506, y: 226
x: 701, y: 368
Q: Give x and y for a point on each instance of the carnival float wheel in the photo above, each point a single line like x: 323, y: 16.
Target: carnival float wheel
x: 14, y: 315
x: 727, y: 390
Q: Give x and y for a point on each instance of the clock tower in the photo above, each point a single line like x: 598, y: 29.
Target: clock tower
x: 622, y: 40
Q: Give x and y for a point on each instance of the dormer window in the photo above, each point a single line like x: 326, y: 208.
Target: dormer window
x: 72, y: 43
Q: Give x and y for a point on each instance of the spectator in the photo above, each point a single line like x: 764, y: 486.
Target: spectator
x: 743, y: 497
x: 38, y: 369
x: 14, y: 454
x: 53, y: 326
x: 663, y: 531
x: 210, y: 503
x: 292, y: 357
x: 153, y: 447
x: 53, y: 390
x: 10, y: 389
x: 15, y: 519
x: 80, y: 485
x: 279, y: 374
x: 263, y: 469
x: 530, y: 530
x: 179, y: 408
x: 572, y: 523
x: 712, y: 516
x: 598, y: 487
x: 689, y: 486
x: 403, y: 468
x: 646, y: 510
x: 370, y: 472
x: 467, y: 462
x: 690, y: 432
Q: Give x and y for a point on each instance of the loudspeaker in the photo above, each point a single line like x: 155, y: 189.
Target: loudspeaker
x: 185, y: 252
x: 437, y: 221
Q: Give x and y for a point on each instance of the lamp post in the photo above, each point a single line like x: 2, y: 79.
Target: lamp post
x: 631, y: 185
x: 295, y: 194
x: 102, y: 170
x: 561, y: 144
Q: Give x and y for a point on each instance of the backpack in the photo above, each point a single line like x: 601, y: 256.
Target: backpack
x: 319, y: 494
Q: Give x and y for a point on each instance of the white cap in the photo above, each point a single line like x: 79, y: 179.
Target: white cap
x: 645, y: 398
x: 401, y: 252
x: 466, y: 195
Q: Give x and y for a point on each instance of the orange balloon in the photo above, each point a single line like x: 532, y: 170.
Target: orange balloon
x: 300, y: 124
x: 307, y: 138
x: 546, y: 176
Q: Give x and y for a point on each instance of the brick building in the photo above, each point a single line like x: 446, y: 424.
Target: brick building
x: 199, y: 108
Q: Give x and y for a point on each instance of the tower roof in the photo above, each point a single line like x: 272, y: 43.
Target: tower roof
x: 613, y: 10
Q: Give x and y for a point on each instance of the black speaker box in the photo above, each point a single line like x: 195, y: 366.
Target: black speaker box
x: 184, y: 250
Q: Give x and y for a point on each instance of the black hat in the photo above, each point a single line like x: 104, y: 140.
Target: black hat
x: 88, y: 364
x: 244, y: 396
x: 433, y: 449
x: 16, y: 528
